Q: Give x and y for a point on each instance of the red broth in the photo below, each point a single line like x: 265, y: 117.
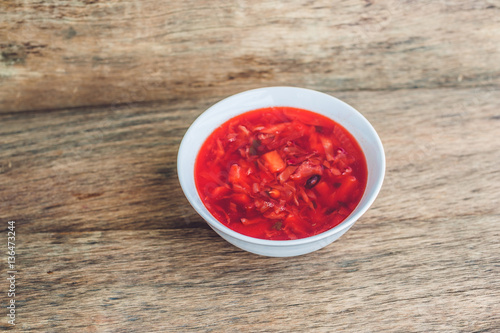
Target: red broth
x: 280, y: 173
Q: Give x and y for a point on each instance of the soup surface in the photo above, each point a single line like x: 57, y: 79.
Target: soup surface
x: 280, y: 173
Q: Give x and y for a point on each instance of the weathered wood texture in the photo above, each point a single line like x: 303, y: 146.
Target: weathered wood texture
x: 57, y: 54
x: 95, y: 97
x: 103, y: 169
x: 107, y: 242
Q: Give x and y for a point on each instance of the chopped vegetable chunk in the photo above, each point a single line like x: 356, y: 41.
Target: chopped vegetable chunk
x: 280, y: 173
x: 273, y: 161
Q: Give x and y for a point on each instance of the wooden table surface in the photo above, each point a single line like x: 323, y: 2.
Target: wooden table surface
x: 95, y: 97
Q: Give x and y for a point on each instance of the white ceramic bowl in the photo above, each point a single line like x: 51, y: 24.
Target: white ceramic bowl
x: 306, y: 99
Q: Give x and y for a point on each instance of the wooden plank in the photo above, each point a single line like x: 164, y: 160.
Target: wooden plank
x: 115, y: 168
x: 94, y: 100
x: 429, y: 275
x: 62, y: 54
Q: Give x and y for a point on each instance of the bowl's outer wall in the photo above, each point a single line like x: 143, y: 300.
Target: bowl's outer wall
x: 306, y: 99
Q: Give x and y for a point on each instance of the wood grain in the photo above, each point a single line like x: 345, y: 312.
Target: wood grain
x: 105, y: 169
x: 107, y: 242
x: 443, y: 274
x: 63, y: 54
x: 95, y: 97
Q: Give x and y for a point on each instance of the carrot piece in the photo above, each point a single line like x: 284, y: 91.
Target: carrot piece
x: 220, y: 191
x: 345, y: 190
x: 241, y: 198
x: 294, y: 227
x: 273, y: 161
x: 323, y: 189
x: 314, y: 142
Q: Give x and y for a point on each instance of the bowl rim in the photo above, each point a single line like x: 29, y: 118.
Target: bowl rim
x: 219, y: 227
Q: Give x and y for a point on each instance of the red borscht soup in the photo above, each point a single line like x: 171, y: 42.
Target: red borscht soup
x: 280, y: 173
